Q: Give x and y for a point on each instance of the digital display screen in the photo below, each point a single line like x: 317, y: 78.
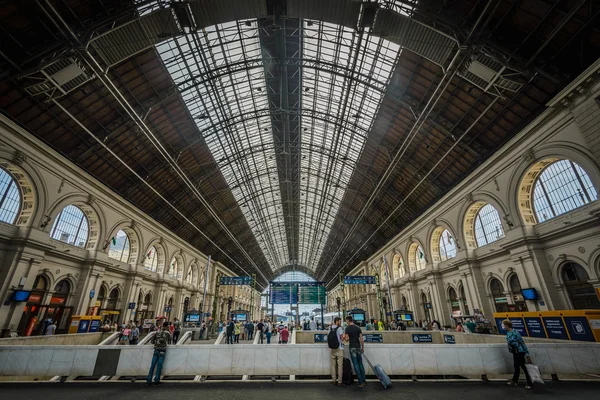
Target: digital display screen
x: 21, y: 295
x: 529, y: 294
x: 406, y: 317
x: 192, y: 318
x: 239, y: 317
x: 358, y: 317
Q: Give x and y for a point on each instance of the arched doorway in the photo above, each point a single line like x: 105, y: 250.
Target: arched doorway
x: 515, y: 289
x: 57, y: 310
x: 454, y: 303
x: 581, y: 292
x: 33, y: 313
x: 500, y: 299
x: 110, y: 312
x: 144, y: 308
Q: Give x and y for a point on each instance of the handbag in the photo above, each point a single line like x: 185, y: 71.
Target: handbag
x: 534, y: 373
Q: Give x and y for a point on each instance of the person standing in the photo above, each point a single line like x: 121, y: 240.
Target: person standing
x: 357, y: 347
x: 135, y: 334
x: 160, y: 341
x: 229, y: 331
x: 336, y: 353
x: 284, y: 335
x: 237, y: 329
x: 261, y: 331
x: 250, y: 330
x: 516, y: 345
x: 176, y: 330
x: 268, y: 329
x: 470, y: 326
x: 312, y: 324
x: 50, y: 329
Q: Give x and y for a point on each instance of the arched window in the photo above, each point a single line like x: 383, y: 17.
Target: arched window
x: 113, y: 299
x: 399, y: 269
x: 173, y: 268
x: 561, y: 187
x: 119, y: 247
x: 581, y: 292
x: 71, y: 226
x: 515, y: 288
x: 454, y: 303
x: 151, y: 261
x: 416, y: 257
x: 488, y: 227
x: 10, y: 202
x: 500, y: 299
x: 447, y: 246
x: 190, y: 275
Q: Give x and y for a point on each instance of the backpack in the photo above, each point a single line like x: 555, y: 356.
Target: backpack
x: 332, y: 339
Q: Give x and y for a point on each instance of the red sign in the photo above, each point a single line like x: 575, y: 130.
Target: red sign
x: 57, y: 300
x: 34, y: 298
x: 29, y: 328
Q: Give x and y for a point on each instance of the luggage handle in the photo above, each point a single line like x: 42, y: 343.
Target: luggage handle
x: 368, y: 362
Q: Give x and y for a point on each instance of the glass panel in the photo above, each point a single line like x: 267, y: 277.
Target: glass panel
x: 173, y: 268
x: 71, y: 226
x: 420, y: 258
x: 151, y: 262
x: 560, y: 188
x: 447, y: 246
x: 488, y: 227
x: 10, y: 202
x: 119, y: 247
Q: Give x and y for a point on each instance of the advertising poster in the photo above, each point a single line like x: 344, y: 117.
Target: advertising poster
x: 555, y: 328
x: 535, y: 327
x: 579, y: 329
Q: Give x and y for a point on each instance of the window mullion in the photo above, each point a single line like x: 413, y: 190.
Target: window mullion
x: 587, y: 195
x: 547, y: 198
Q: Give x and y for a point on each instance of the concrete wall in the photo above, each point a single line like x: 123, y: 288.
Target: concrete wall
x: 566, y: 360
x: 79, y: 339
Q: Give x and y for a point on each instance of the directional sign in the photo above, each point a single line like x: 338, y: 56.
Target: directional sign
x: 449, y: 339
x: 320, y: 338
x: 235, y: 280
x: 422, y: 338
x: 359, y: 280
x: 373, y: 338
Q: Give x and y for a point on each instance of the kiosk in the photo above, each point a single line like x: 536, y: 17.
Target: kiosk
x: 85, y: 324
x: 359, y: 316
x: 405, y: 316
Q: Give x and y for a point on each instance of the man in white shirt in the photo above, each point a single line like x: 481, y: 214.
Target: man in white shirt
x: 50, y: 329
x: 337, y: 354
x: 313, y: 325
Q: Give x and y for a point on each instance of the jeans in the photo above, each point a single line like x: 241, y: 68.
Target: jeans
x: 157, y: 361
x: 250, y: 335
x: 261, y: 336
x: 237, y: 338
x: 176, y: 336
x: 268, y: 337
x: 356, y: 356
x: 519, y: 362
x: 229, y: 338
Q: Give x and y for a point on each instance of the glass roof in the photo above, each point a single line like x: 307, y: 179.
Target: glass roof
x: 222, y: 77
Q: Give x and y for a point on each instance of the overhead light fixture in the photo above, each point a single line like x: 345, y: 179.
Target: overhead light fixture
x: 203, y: 116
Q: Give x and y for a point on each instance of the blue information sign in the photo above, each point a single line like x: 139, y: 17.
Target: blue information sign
x: 94, y: 325
x: 235, y: 280
x: 320, y: 338
x: 518, y: 325
x: 449, y: 339
x: 373, y: 338
x: 555, y: 328
x: 579, y: 329
x: 534, y: 327
x: 422, y: 338
x: 359, y: 280
x: 84, y: 326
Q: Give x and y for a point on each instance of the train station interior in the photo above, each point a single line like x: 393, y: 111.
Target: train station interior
x: 244, y: 172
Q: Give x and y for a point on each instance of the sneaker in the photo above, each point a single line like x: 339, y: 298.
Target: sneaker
x: 528, y: 387
x: 511, y: 383
x: 361, y: 385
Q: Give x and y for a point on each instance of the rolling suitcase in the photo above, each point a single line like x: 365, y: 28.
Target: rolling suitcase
x: 379, y: 373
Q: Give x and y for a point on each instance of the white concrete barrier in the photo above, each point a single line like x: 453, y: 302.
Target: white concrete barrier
x: 466, y: 360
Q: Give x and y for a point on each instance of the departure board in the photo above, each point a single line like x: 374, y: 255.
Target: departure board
x: 311, y: 294
x: 284, y: 293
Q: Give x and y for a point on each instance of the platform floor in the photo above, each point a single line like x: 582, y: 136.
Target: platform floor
x: 291, y: 391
